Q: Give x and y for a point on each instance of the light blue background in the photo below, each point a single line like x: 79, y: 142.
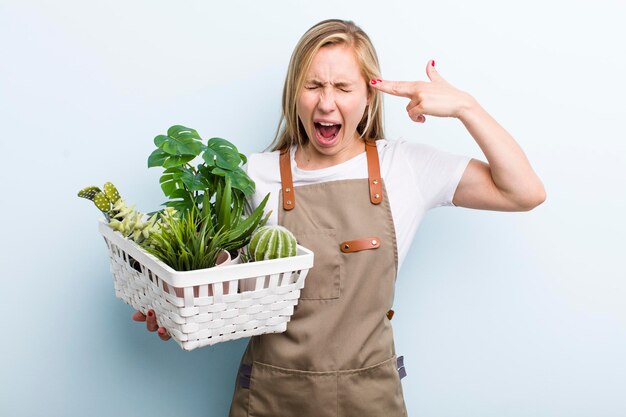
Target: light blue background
x: 497, y: 314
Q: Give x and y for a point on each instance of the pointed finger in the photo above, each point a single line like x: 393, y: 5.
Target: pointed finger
x: 396, y: 88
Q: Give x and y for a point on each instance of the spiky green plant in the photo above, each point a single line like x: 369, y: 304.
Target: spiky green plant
x: 188, y: 242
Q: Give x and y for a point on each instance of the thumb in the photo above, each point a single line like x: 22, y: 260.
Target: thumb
x: 432, y: 73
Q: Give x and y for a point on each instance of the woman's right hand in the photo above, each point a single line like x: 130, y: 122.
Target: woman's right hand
x: 151, y: 324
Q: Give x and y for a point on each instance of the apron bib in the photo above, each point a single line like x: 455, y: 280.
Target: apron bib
x: 337, y: 357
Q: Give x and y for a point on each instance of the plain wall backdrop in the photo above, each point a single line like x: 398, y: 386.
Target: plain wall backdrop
x: 497, y: 314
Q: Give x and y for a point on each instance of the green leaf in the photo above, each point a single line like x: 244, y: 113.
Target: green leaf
x: 160, y: 140
x: 193, y: 182
x: 180, y: 141
x: 220, y: 152
x: 168, y: 184
x: 179, y: 131
x: 241, y: 181
x: 244, y: 229
x: 179, y: 205
x: 223, y: 203
x: 176, y: 160
x: 156, y: 158
x: 185, y: 198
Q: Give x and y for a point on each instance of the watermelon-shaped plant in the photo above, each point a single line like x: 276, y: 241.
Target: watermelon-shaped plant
x: 271, y: 242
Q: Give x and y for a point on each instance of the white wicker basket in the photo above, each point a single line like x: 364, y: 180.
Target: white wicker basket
x: 213, y: 305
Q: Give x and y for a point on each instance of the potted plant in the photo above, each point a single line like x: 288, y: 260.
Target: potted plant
x: 214, y: 191
x: 166, y: 260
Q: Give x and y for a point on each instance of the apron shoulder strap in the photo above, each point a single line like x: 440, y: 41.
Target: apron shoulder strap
x: 289, y: 196
x: 373, y: 173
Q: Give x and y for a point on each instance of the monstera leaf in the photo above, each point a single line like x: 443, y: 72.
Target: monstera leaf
x: 218, y: 177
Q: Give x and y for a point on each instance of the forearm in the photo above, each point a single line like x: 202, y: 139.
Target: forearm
x: 510, y: 169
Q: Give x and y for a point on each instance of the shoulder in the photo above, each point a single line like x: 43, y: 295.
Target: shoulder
x: 418, y: 155
x: 402, y: 148
x: 400, y: 154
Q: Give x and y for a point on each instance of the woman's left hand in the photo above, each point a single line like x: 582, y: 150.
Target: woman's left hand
x: 435, y: 98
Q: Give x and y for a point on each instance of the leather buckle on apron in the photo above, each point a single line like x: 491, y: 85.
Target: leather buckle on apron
x: 350, y: 246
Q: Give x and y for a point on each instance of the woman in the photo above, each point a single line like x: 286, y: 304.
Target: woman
x: 356, y: 200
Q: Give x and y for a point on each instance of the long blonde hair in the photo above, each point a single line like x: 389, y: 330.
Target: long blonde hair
x: 290, y: 130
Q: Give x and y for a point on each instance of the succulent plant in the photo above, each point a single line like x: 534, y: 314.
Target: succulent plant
x: 126, y: 220
x: 271, y: 242
x: 131, y: 223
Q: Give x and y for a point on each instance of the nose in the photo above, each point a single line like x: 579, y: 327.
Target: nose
x: 326, y: 102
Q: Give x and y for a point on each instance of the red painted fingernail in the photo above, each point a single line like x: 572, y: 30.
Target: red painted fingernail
x: 161, y: 331
x: 433, y: 63
x: 150, y: 313
x: 372, y: 82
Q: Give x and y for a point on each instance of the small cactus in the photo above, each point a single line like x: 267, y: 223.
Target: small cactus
x: 111, y: 192
x: 89, y: 192
x: 104, y: 200
x: 271, y: 242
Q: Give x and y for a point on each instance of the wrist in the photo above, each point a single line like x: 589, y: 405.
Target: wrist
x: 468, y: 106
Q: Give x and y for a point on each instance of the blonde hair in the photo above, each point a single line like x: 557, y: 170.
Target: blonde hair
x: 290, y: 130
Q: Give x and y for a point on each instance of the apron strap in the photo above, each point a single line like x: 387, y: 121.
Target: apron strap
x: 289, y: 196
x: 373, y: 174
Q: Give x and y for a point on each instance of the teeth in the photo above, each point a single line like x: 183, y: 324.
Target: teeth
x: 327, y: 124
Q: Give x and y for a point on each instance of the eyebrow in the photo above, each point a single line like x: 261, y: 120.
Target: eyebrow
x: 337, y: 84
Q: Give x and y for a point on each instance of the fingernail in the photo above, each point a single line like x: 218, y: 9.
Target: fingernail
x: 161, y: 331
x: 433, y: 63
x: 150, y: 313
x: 372, y: 82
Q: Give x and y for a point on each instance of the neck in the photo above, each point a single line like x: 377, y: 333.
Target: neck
x: 309, y: 158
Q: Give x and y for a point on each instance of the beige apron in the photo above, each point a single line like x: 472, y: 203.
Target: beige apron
x: 337, y: 357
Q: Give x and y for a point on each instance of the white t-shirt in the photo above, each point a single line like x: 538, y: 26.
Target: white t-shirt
x: 417, y: 178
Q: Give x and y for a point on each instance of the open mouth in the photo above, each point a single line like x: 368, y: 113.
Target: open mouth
x: 326, y: 132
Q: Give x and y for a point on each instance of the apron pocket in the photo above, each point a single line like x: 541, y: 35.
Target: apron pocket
x: 278, y: 392
x: 372, y: 391
x: 323, y: 281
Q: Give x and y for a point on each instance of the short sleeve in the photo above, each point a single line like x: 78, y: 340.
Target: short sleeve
x: 437, y: 173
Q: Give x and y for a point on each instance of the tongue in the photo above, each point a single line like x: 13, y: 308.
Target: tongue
x: 329, y: 131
